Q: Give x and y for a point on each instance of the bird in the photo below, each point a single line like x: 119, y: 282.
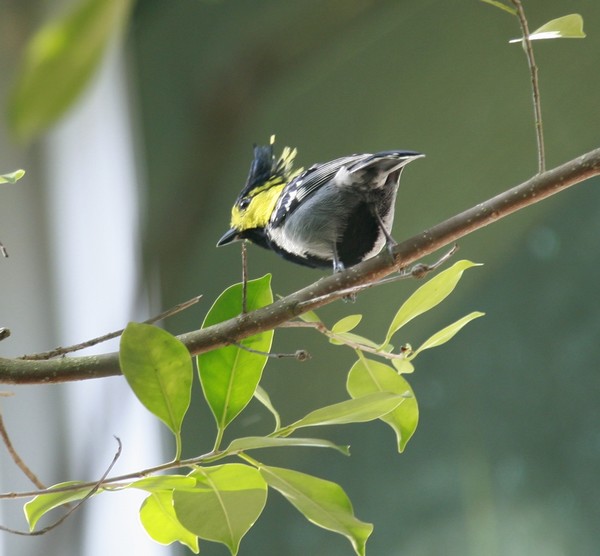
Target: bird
x: 333, y: 215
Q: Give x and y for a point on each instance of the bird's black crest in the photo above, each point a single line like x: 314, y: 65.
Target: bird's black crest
x: 261, y: 169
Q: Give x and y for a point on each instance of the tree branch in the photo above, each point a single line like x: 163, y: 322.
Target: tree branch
x: 325, y: 290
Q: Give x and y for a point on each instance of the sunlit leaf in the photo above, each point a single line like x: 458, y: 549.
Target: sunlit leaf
x: 349, y: 338
x: 322, y: 502
x: 158, y: 368
x: 59, y: 61
x: 367, y: 376
x: 502, y: 6
x: 43, y: 503
x: 230, y: 375
x: 446, y: 333
x: 359, y: 410
x: 261, y: 395
x: 12, y: 177
x: 565, y: 27
x: 346, y: 324
x: 160, y: 522
x: 257, y: 442
x: 159, y: 483
x: 428, y: 296
x: 403, y: 366
x: 225, y: 503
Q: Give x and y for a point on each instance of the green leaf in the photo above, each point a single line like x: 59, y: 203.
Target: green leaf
x: 322, y: 502
x: 565, y: 27
x: 257, y: 442
x: 428, y: 296
x: 225, y: 503
x: 502, y: 6
x: 12, y: 177
x: 309, y: 316
x: 446, y: 333
x: 160, y: 483
x: 43, y: 503
x: 346, y: 324
x: 359, y: 410
x: 59, y: 61
x: 403, y: 366
x: 261, y: 395
x: 349, y: 338
x: 230, y: 375
x: 367, y: 376
x: 158, y: 368
x: 160, y: 522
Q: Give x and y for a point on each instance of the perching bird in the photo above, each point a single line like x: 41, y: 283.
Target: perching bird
x: 335, y: 214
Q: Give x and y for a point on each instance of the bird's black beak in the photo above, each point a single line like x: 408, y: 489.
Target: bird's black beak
x: 228, y: 237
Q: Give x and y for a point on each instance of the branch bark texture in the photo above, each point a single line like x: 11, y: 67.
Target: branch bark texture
x: 325, y: 290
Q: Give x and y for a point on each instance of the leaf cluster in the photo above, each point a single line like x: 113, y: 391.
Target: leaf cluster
x: 220, y: 501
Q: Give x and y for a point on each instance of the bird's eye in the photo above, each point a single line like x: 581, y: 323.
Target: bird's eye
x: 244, y: 203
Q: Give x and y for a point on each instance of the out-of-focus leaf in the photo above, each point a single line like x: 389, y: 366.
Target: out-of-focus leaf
x: 256, y: 442
x: 367, y: 376
x: 565, y: 27
x: 445, y: 334
x: 12, y: 177
x: 225, y: 503
x: 343, y: 338
x: 59, y: 61
x: 502, y: 6
x: 230, y: 375
x: 43, y: 503
x: 160, y: 522
x: 322, y: 502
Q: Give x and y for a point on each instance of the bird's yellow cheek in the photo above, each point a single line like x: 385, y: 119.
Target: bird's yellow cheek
x: 258, y: 212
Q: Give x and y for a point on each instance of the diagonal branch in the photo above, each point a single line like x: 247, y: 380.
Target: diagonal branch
x: 325, y: 290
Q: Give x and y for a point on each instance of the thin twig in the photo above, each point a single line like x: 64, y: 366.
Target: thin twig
x: 95, y: 486
x: 244, y: 278
x: 300, y: 354
x: 535, y: 88
x: 59, y: 351
x: 16, y: 458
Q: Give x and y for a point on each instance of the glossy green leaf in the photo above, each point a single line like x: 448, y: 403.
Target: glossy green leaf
x: 257, y: 442
x: 43, y: 503
x: 428, y: 296
x: 12, y: 177
x: 158, y: 368
x: 447, y: 333
x: 502, y: 6
x: 160, y: 522
x: 367, y: 376
x: 225, y: 503
x: 261, y: 395
x: 346, y: 324
x: 59, y: 62
x: 322, y: 502
x: 357, y: 410
x: 565, y: 27
x: 230, y: 375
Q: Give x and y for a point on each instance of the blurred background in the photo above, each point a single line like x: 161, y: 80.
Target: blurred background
x: 125, y: 197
